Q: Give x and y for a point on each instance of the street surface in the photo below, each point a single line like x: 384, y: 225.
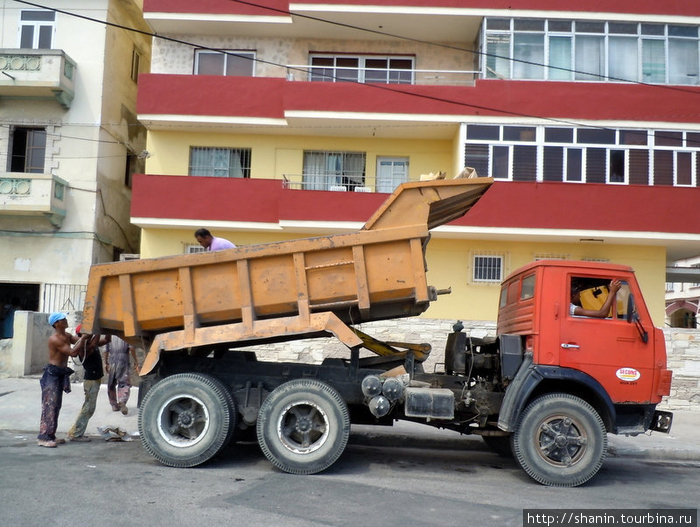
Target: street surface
x: 106, y: 483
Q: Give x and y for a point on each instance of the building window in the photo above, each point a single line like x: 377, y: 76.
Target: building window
x: 333, y: 170
x: 487, y: 268
x: 194, y: 248
x: 364, y: 69
x: 219, y: 162
x: 27, y: 150
x: 591, y: 51
x: 135, y: 63
x: 583, y: 155
x: 36, y: 29
x: 233, y: 63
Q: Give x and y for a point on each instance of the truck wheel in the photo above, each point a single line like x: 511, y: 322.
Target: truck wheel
x: 303, y: 426
x: 560, y: 440
x: 186, y: 419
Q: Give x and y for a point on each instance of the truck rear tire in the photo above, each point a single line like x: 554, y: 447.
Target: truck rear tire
x: 186, y: 419
x: 303, y: 426
x: 560, y: 440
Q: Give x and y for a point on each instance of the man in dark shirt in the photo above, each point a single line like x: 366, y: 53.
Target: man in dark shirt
x: 92, y: 364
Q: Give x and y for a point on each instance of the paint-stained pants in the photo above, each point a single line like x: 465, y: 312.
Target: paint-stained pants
x: 91, y: 389
x: 54, y: 382
x: 119, y: 382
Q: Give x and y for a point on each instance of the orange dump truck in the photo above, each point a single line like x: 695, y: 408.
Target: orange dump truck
x: 524, y: 392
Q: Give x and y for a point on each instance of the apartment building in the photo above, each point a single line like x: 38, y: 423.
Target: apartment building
x: 270, y: 120
x: 69, y: 144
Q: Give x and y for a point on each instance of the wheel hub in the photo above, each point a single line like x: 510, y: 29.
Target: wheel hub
x: 185, y: 420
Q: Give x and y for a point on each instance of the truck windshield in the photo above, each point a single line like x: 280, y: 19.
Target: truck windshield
x: 605, y: 298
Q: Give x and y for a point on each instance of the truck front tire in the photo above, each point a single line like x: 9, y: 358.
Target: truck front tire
x: 303, y: 426
x: 560, y: 440
x: 186, y: 419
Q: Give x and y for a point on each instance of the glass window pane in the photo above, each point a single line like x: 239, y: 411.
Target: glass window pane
x: 26, y: 39
x: 692, y: 140
x: 590, y: 58
x: 574, y: 164
x: 617, y: 166
x: 483, y: 131
x: 623, y: 28
x: 664, y: 138
x: 559, y: 25
x: 43, y: 16
x: 240, y: 64
x: 653, y: 61
x: 682, y: 61
x: 498, y: 23
x: 559, y: 135
x: 652, y: 29
x: 376, y: 70
x: 498, y: 56
x: 347, y: 69
x: 45, y: 34
x: 683, y: 31
x: 622, y: 59
x: 560, y: 58
x: 590, y: 27
x: 600, y: 136
x: 500, y: 162
x: 518, y: 133
x: 528, y: 48
x: 528, y: 24
x: 210, y: 63
x: 633, y: 137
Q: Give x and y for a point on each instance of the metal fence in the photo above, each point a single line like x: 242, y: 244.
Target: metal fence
x: 63, y: 297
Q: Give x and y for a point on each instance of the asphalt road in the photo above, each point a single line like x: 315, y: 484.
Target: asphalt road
x: 106, y: 483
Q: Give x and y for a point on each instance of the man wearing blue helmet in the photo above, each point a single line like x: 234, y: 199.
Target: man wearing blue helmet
x: 56, y: 378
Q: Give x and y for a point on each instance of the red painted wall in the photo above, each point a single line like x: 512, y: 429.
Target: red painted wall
x: 270, y: 97
x: 505, y: 204
x: 670, y: 7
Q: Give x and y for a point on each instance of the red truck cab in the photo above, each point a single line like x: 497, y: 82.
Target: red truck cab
x: 610, y: 366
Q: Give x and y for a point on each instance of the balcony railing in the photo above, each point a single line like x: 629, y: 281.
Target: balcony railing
x: 33, y: 195
x: 37, y: 73
x: 382, y: 75
x: 337, y: 183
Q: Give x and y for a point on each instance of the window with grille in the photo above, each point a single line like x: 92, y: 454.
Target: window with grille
x: 193, y: 248
x: 232, y: 63
x: 487, y: 268
x: 36, y: 29
x: 333, y: 170
x: 219, y: 162
x: 354, y: 68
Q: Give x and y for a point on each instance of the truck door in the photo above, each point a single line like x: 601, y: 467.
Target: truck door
x: 609, y: 349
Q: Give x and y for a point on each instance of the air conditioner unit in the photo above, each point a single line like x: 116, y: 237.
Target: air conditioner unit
x: 338, y: 188
x: 363, y: 189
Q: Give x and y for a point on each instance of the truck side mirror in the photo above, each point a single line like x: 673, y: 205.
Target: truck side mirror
x: 632, y: 316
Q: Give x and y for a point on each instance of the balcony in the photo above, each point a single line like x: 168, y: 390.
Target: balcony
x: 23, y: 194
x: 420, y: 77
x: 37, y: 73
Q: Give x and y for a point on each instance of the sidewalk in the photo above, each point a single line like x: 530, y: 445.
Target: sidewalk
x: 20, y: 410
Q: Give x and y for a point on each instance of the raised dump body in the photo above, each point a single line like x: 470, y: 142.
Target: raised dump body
x: 281, y: 290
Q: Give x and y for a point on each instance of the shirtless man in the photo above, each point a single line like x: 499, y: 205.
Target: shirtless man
x: 56, y: 378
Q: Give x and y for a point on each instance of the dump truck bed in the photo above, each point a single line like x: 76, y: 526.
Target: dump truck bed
x: 286, y: 289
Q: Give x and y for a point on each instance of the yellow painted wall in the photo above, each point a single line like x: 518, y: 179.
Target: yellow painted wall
x: 275, y: 156
x: 450, y: 265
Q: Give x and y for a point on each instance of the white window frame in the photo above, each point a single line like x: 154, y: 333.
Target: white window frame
x: 227, y: 53
x: 244, y: 154
x: 361, y: 66
x: 36, y: 25
x: 194, y: 248
x: 477, y: 268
